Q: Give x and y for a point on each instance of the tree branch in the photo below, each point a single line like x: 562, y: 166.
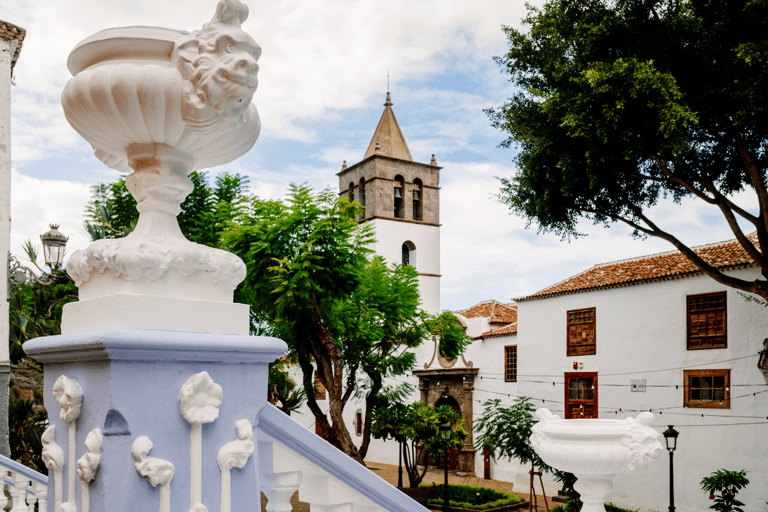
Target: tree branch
x: 757, y: 287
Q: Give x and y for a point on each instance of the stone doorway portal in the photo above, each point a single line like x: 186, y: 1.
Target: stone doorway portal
x: 454, y: 387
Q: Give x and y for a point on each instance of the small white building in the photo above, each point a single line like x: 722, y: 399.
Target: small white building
x: 655, y: 334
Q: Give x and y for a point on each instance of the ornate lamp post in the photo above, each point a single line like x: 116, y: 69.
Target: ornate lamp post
x: 670, y: 436
x: 445, y: 434
x: 54, y: 246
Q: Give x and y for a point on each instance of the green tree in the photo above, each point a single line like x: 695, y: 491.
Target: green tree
x: 34, y: 308
x: 111, y: 211
x: 312, y: 281
x: 727, y: 484
x: 282, y: 390
x: 622, y: 103
x: 506, y: 431
x: 417, y: 428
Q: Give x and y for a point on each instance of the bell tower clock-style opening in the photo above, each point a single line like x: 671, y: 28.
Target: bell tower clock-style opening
x: 402, y: 202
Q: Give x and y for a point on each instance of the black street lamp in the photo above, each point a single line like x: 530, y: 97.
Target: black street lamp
x: 445, y: 433
x: 670, y: 436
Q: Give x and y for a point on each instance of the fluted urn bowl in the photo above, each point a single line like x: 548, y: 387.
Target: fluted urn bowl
x: 127, y: 90
x: 595, y: 450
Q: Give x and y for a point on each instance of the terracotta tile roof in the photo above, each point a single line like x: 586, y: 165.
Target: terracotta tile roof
x: 507, y: 330
x: 645, y: 269
x: 494, y: 311
x: 10, y: 32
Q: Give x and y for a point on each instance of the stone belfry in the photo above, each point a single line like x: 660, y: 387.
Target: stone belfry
x: 402, y: 202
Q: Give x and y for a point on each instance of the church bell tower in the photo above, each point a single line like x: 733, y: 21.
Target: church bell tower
x: 402, y: 202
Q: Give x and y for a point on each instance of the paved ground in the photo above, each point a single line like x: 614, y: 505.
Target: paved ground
x: 389, y: 473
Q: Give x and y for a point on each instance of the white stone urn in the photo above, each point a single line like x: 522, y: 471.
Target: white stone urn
x: 156, y: 104
x: 595, y: 450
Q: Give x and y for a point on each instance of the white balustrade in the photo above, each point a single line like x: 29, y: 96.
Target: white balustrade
x: 26, y: 486
x: 293, y: 458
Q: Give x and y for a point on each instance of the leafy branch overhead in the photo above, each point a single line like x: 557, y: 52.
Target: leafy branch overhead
x: 621, y: 104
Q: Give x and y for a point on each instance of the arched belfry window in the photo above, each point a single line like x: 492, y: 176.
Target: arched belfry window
x: 362, y: 191
x: 399, y: 197
x: 409, y: 253
x: 351, y: 191
x: 418, y: 199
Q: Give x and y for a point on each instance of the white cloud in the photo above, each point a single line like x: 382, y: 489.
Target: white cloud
x: 36, y: 203
x: 318, y: 58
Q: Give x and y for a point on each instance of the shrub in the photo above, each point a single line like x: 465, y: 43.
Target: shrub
x: 476, y: 498
x: 727, y: 483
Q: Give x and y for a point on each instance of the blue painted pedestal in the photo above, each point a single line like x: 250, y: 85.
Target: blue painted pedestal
x: 130, y: 380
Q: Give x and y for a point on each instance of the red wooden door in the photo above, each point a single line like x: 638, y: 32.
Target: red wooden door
x: 580, y: 395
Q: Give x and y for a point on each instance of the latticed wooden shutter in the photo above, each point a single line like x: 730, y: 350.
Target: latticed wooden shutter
x: 706, y: 321
x: 581, y: 332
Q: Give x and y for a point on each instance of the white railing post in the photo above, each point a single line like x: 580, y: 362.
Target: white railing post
x: 41, y: 493
x: 19, y: 492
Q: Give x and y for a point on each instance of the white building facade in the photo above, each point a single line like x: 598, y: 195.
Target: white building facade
x: 653, y: 334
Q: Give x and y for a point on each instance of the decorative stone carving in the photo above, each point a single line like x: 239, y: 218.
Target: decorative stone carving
x: 87, y: 466
x: 162, y: 103
x: 89, y: 463
x: 595, y: 450
x: 234, y: 454
x: 158, y: 472
x: 53, y: 458
x: 69, y: 396
x: 199, y: 398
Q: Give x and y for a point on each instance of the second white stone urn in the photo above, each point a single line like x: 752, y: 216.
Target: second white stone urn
x: 595, y: 450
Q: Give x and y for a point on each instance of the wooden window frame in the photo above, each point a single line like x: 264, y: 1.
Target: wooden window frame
x: 580, y: 349
x: 707, y: 404
x: 510, y: 370
x: 567, y: 398
x: 688, y: 313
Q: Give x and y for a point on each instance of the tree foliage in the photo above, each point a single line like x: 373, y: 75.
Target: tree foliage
x: 624, y: 102
x: 313, y: 282
x: 416, y: 427
x: 34, y: 309
x: 506, y: 431
x: 206, y: 211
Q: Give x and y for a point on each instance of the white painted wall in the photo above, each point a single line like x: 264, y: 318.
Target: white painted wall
x: 6, y: 54
x: 640, y: 331
x: 390, y: 236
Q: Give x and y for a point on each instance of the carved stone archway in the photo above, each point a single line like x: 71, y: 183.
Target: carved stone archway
x: 459, y: 384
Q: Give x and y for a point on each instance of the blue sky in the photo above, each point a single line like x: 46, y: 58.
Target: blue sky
x: 323, y: 81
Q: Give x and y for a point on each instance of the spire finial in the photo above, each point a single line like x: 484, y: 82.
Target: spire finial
x: 388, y: 103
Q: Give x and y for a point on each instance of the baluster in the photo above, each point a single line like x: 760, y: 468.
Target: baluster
x: 19, y: 492
x: 41, y: 493
x: 278, y: 488
x: 3, y: 498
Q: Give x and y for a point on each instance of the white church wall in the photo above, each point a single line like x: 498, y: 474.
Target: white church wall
x: 390, y: 236
x: 641, y: 334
